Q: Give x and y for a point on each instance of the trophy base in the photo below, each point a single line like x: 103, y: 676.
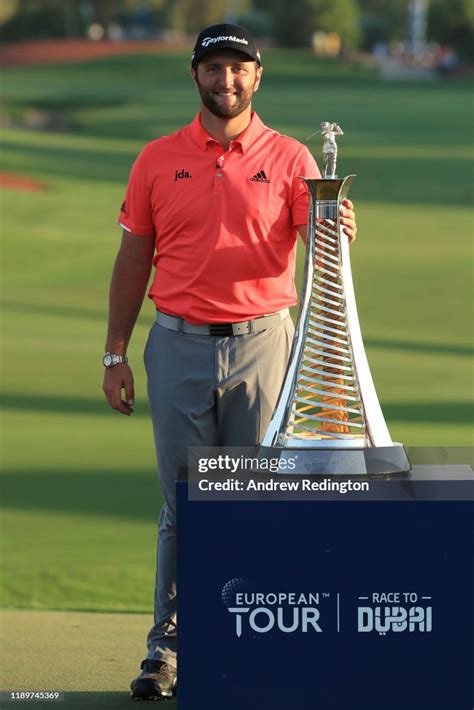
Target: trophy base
x: 369, y: 461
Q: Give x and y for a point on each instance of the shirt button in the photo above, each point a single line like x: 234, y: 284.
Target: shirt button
x: 219, y: 174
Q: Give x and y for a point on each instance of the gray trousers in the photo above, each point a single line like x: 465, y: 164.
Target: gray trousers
x: 203, y: 391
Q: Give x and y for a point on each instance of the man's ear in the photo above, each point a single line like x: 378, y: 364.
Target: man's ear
x: 193, y: 73
x: 258, y: 78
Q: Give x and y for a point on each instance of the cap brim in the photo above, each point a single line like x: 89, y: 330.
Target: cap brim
x: 230, y: 48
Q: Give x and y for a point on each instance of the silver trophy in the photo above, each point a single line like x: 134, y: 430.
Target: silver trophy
x: 328, y: 413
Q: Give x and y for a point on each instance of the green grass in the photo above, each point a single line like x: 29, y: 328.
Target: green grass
x: 90, y: 657
x: 80, y: 490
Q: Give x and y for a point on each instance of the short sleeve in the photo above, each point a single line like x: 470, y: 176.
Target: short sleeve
x: 305, y: 166
x: 136, y: 212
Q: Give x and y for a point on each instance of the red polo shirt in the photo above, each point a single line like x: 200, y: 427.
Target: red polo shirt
x: 225, y: 222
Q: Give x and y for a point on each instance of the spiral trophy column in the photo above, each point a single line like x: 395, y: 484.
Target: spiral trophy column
x: 328, y: 410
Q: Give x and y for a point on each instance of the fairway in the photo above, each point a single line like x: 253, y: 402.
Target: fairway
x: 89, y: 657
x: 80, y: 491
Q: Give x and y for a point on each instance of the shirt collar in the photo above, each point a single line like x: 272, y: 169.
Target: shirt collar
x: 244, y: 140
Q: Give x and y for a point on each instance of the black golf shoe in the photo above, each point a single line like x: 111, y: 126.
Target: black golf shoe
x: 157, y: 681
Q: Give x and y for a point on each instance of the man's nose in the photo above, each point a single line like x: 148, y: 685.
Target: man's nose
x: 226, y: 77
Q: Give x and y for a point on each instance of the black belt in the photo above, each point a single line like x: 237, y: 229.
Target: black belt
x: 222, y: 330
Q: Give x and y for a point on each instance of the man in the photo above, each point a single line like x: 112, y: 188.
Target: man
x: 216, y: 207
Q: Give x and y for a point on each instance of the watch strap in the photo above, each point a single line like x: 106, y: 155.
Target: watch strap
x: 111, y: 359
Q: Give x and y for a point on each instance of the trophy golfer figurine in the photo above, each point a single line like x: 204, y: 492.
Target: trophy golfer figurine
x: 328, y: 410
x: 330, y: 131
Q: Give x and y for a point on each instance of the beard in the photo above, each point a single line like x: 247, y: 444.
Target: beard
x: 243, y: 99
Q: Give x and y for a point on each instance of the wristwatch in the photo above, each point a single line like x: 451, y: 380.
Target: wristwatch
x: 110, y: 359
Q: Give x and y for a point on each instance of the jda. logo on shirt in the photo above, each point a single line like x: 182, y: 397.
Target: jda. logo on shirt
x: 180, y: 174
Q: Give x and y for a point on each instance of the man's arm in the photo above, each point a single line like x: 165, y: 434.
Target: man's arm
x: 348, y: 222
x: 127, y: 290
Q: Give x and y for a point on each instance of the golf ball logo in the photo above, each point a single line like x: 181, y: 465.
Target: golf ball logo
x: 230, y: 589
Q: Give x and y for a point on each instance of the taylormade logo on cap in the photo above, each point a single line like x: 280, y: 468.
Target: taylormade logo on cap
x: 224, y: 36
x: 230, y: 38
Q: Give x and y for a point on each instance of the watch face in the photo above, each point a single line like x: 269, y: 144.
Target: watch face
x: 107, y: 360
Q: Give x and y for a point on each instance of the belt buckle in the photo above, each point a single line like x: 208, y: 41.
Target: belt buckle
x: 221, y: 330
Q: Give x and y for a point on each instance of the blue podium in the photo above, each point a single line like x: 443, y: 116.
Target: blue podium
x: 327, y: 602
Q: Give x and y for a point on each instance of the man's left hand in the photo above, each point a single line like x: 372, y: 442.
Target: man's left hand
x: 348, y: 220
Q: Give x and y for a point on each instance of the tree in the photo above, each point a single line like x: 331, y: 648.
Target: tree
x: 294, y: 22
x: 190, y: 16
x: 340, y: 16
x: 453, y: 23
x: 382, y: 20
x: 41, y: 19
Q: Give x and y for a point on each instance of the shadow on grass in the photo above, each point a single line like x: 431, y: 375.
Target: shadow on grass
x: 135, y: 496
x: 78, y: 162
x: 66, y: 405
x: 428, y: 412
x: 71, y: 311
x: 420, y: 347
x: 92, y: 701
x: 388, y: 181
x: 57, y: 310
x: 454, y: 412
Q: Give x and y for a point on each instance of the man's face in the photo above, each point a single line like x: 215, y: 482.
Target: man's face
x: 226, y: 81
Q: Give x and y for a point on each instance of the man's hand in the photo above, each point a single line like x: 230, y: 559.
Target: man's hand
x: 127, y: 289
x: 118, y: 378
x: 348, y: 220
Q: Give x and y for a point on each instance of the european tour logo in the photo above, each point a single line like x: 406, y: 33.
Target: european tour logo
x: 308, y: 611
x: 263, y: 612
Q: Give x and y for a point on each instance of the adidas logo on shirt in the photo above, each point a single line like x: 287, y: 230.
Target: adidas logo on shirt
x: 259, y: 177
